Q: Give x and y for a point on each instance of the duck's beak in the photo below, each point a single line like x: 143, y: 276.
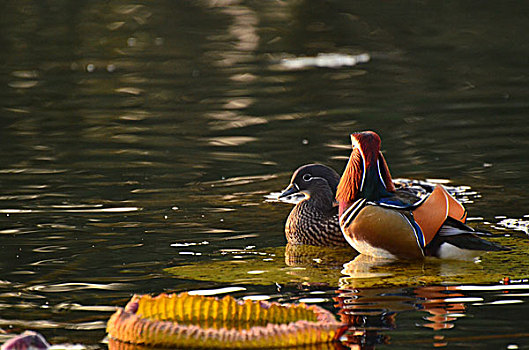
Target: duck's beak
x: 291, y: 189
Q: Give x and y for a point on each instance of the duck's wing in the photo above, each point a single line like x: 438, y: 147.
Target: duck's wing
x: 472, y: 242
x: 457, y: 234
x: 404, y: 198
x: 452, y: 227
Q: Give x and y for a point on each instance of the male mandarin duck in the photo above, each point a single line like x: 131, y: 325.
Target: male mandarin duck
x: 379, y: 220
x: 314, y: 220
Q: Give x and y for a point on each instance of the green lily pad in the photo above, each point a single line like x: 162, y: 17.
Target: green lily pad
x: 293, y: 264
x: 342, y: 267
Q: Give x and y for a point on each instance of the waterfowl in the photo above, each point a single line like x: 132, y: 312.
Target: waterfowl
x: 379, y: 220
x: 314, y: 220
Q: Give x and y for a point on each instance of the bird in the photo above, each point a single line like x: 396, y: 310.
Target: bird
x: 314, y: 220
x: 383, y: 221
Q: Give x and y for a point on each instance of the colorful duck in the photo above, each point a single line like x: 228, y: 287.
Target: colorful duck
x: 381, y: 221
x: 314, y: 220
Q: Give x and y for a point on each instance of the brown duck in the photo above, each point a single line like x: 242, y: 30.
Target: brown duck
x: 314, y: 220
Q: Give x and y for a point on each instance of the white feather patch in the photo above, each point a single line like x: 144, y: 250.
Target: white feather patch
x: 450, y: 251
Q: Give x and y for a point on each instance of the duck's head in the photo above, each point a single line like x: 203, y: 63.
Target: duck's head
x: 312, y: 179
x: 366, y: 174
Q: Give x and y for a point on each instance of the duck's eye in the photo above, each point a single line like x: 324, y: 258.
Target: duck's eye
x: 307, y: 177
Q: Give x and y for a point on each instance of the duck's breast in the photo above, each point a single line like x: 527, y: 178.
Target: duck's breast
x: 382, y: 232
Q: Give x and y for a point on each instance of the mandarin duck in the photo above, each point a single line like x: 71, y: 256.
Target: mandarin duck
x: 314, y: 220
x: 379, y: 220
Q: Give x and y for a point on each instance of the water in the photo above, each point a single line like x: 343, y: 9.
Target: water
x: 141, y: 137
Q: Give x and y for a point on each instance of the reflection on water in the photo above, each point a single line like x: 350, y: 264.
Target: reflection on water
x: 324, y: 60
x: 443, y: 305
x: 513, y: 224
x: 380, y: 299
x: 139, y: 142
x: 373, y: 313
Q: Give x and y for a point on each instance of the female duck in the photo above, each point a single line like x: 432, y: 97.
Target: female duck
x: 314, y: 220
x: 381, y: 221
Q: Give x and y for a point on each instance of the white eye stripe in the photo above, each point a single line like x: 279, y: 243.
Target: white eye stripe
x: 380, y: 175
x: 310, y: 178
x: 319, y: 178
x: 364, y: 169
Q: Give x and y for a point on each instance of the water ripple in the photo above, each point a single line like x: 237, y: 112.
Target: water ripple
x: 217, y: 291
x: 79, y: 307
x: 331, y: 60
x: 240, y: 180
x: 86, y: 326
x: 55, y: 209
x: 33, y: 324
x: 49, y: 249
x: 47, y: 324
x: 32, y: 171
x: 75, y: 286
x: 230, y: 140
x: 514, y: 224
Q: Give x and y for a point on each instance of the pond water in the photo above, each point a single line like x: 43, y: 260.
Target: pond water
x: 140, y: 141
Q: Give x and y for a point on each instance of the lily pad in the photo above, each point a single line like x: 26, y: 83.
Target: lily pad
x: 293, y: 264
x: 194, y: 321
x: 341, y: 267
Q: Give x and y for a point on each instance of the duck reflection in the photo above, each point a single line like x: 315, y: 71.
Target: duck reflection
x: 374, y: 309
x: 367, y: 314
x: 311, y: 256
x: 371, y: 312
x: 441, y: 304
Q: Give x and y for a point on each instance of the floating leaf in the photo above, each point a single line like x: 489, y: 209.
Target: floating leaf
x: 118, y: 345
x: 195, y: 321
x: 342, y: 267
x: 296, y: 264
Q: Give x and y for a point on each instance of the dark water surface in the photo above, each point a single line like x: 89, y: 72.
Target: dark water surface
x: 140, y: 139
